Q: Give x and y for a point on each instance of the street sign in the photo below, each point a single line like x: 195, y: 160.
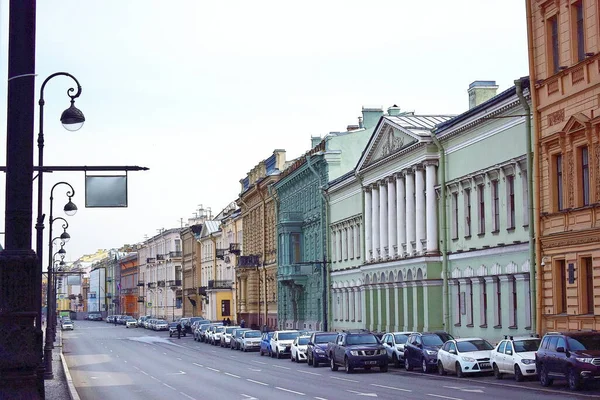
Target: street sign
x: 149, y: 304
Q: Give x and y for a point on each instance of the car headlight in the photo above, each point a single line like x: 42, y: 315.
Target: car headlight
x: 527, y: 361
x: 584, y: 360
x: 468, y: 359
x: 318, y: 350
x: 354, y: 353
x: 431, y: 352
x: 382, y: 351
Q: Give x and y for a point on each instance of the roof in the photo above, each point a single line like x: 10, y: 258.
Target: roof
x: 467, y: 339
x: 418, y: 123
x: 211, y: 227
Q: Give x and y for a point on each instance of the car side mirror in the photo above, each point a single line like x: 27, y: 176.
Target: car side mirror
x: 452, y: 352
x: 509, y: 352
x: 310, y: 344
x: 419, y: 345
x: 390, y: 343
x: 560, y: 349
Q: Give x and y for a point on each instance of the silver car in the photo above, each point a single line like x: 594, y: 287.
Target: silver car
x: 250, y: 341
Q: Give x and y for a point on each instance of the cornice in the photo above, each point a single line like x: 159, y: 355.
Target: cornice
x: 570, y: 239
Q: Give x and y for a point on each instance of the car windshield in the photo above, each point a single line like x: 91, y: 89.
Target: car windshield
x: 432, y: 340
x: 587, y: 342
x: 220, y: 329
x: 239, y: 332
x: 526, y: 345
x: 473, y: 345
x: 194, y: 319
x: 161, y: 321
x: 288, y: 335
x: 303, y: 341
x: 325, y: 338
x: 362, y: 339
x: 400, y: 338
x: 252, y: 334
x: 229, y: 330
x: 173, y: 324
x: 445, y: 336
x: 269, y: 335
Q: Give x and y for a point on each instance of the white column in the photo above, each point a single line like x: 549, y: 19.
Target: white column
x: 340, y: 256
x: 391, y: 203
x: 347, y: 304
x: 333, y: 244
x: 375, y: 221
x: 420, y: 207
x: 367, y: 224
x: 431, y: 206
x: 383, y: 221
x: 353, y: 304
x: 400, y: 213
x: 380, y: 289
x: 397, y: 309
x: 388, y: 320
x: 371, y: 307
x: 409, y: 179
x: 361, y: 304
x: 405, y: 298
x: 525, y: 298
x: 355, y: 247
x: 344, y: 245
x: 350, y: 232
x: 425, y: 285
x: 415, y: 294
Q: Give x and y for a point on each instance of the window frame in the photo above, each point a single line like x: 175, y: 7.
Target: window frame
x: 511, y: 211
x: 481, y: 208
x: 585, y: 175
x: 454, y: 215
x: 467, y: 199
x: 553, y: 44
x: 578, y: 30
x: 495, y: 205
x: 558, y: 187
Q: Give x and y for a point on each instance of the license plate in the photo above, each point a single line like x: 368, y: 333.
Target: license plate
x: 371, y: 362
x: 484, y: 365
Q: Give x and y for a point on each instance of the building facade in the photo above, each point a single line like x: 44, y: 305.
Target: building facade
x: 192, y: 305
x: 565, y: 66
x: 256, y: 271
x: 129, y: 289
x: 231, y: 230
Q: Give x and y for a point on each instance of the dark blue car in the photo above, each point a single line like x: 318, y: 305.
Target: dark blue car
x: 265, y: 343
x: 316, y: 352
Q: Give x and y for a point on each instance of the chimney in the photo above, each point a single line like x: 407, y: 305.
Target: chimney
x: 371, y: 116
x: 315, y: 140
x: 394, y: 110
x: 481, y: 91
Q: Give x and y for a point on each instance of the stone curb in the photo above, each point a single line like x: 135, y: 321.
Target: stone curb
x: 72, y: 391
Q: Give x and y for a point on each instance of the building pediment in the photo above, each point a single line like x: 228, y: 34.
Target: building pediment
x: 386, y: 141
x: 576, y: 123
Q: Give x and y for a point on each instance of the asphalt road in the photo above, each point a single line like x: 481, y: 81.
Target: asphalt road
x: 112, y: 362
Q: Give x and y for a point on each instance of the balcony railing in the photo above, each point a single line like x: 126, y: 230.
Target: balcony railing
x: 174, y: 283
x: 140, y: 299
x: 296, y: 273
x: 215, y: 284
x: 150, y: 260
x: 235, y: 248
x: 221, y: 253
x: 160, y: 257
x: 151, y: 285
x: 291, y: 216
x: 161, y: 283
x: 248, y: 261
x: 202, y: 290
x: 175, y: 254
x: 140, y: 283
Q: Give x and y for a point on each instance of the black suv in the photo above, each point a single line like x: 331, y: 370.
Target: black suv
x: 571, y: 355
x: 421, y: 349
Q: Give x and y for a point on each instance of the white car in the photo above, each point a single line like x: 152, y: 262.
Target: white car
x: 465, y: 356
x: 215, y: 338
x: 226, y: 336
x: 281, y: 343
x: 161, y: 325
x: 515, y: 356
x: 394, y: 346
x: 298, y: 349
x: 130, y: 322
x: 66, y: 324
x: 250, y: 340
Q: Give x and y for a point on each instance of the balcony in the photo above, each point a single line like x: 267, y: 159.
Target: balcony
x: 161, y: 283
x: 140, y: 299
x: 140, y: 283
x: 174, y: 283
x: 221, y: 253
x: 202, y: 290
x: 150, y: 260
x: 175, y: 254
x: 151, y: 285
x: 297, y: 274
x: 160, y: 257
x: 292, y: 217
x: 214, y: 284
x: 190, y: 291
x: 248, y: 261
x: 235, y: 248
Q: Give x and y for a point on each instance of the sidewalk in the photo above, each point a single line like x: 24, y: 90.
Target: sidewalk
x: 61, y: 387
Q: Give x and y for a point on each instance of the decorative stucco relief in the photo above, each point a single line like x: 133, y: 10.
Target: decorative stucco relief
x: 597, y: 169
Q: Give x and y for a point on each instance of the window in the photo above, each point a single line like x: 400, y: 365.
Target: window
x: 470, y: 300
x: 501, y: 347
x: 585, y: 176
x: 588, y: 280
x: 510, y: 182
x: 296, y: 249
x: 495, y: 206
x: 483, y: 311
x: 499, y: 303
x: 559, y: 181
x: 481, y: 208
x: 455, y: 215
x: 578, y: 28
x: 225, y: 308
x: 552, y: 35
x: 514, y: 306
x: 467, y: 212
x: 561, y: 287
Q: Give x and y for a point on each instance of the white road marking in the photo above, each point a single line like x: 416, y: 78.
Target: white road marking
x: 260, y: 383
x: 213, y: 369
x: 280, y: 366
x: 320, y: 398
x: 179, y: 358
x: 443, y: 397
x: 259, y: 362
x: 290, y: 391
x: 214, y: 351
x: 198, y: 365
x: 249, y: 397
x: 145, y: 373
x: 165, y: 354
x: 255, y: 370
x: 235, y: 376
x: 391, y: 387
x: 189, y: 397
x: 362, y: 394
x: 343, y: 379
x: 170, y: 387
x: 233, y: 356
x: 118, y: 356
x: 177, y: 373
x: 136, y: 367
x: 308, y: 372
x: 156, y: 379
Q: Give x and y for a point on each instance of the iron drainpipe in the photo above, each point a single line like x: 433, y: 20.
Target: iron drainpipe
x: 324, y: 262
x: 531, y: 230
x: 273, y: 194
x: 264, y: 251
x: 443, y: 206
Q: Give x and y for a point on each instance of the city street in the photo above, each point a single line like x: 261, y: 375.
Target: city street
x: 112, y: 362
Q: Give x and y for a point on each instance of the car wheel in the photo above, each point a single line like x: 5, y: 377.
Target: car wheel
x: 332, y: 363
x: 441, y: 369
x: 383, y: 368
x: 261, y: 352
x: 497, y: 372
x: 424, y: 366
x: 459, y: 371
x: 347, y: 366
x: 574, y: 380
x: 518, y: 374
x: 544, y: 378
x: 245, y: 350
x: 315, y: 363
x: 407, y: 364
x: 291, y: 357
x: 277, y: 355
x: 170, y: 335
x: 396, y: 361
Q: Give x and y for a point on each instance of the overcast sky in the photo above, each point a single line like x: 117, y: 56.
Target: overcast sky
x: 201, y: 91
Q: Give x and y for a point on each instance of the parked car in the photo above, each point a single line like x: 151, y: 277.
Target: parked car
x: 316, y: 350
x: 140, y: 321
x: 465, y: 356
x: 394, y: 346
x: 281, y: 343
x: 265, y: 343
x: 66, y: 324
x: 193, y: 322
x: 250, y: 340
x: 173, y: 329
x: 110, y: 319
x: 147, y: 323
x: 161, y: 325
x: 226, y: 336
x: 236, y: 338
x: 298, y: 349
x: 357, y: 350
x: 421, y: 349
x: 208, y: 334
x: 199, y: 332
x: 574, y: 356
x: 130, y: 322
x: 515, y: 356
x: 94, y: 317
x: 217, y: 334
